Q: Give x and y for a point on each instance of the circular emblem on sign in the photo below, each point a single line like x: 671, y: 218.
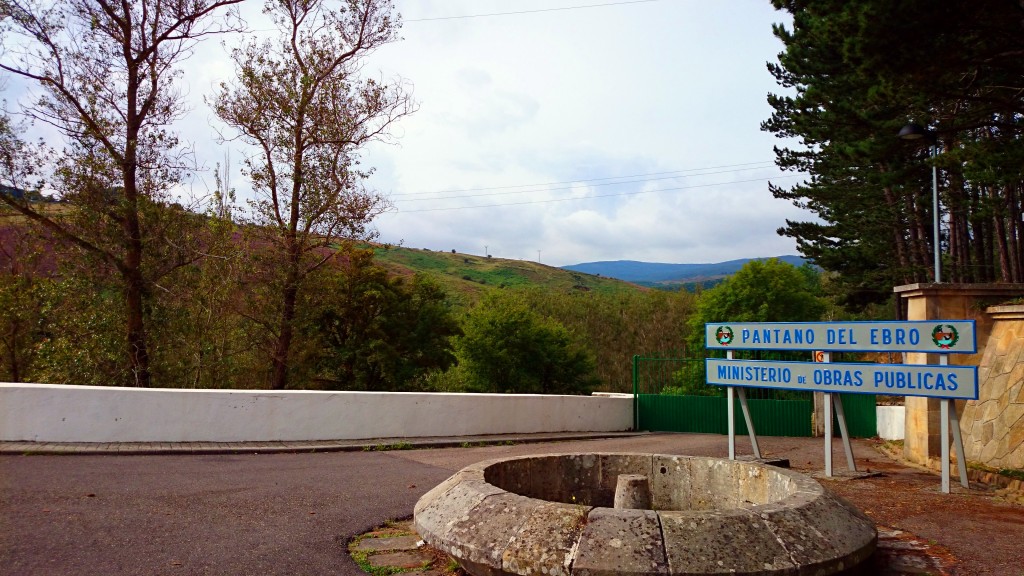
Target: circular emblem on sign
x: 724, y: 335
x: 945, y: 336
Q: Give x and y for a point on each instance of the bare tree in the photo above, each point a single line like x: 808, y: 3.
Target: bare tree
x: 106, y: 72
x: 301, y: 101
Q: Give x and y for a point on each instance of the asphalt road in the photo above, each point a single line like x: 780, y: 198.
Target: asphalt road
x: 293, y: 513
x: 184, y: 515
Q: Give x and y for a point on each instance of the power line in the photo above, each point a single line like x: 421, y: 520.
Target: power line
x: 636, y: 193
x: 587, y: 182
x: 583, y: 7
x: 515, y: 13
x: 762, y: 163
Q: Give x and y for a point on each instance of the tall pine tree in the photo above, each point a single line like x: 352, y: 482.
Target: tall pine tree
x: 856, y: 73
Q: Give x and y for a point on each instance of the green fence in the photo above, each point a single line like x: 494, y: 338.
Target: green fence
x: 708, y: 414
x: 671, y: 395
x: 861, y: 416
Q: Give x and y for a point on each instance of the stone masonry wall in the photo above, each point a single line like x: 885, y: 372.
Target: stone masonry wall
x: 993, y: 425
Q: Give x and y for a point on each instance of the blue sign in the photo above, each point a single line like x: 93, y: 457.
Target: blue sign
x: 933, y: 381
x: 930, y: 336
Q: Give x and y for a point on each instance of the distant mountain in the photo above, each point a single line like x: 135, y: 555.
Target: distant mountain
x: 660, y: 273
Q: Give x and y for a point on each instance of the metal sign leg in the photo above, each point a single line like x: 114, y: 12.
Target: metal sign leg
x: 828, y: 434
x: 958, y: 444
x: 730, y: 404
x: 951, y: 419
x: 944, y: 421
x: 749, y: 421
x: 944, y: 435
x: 841, y: 416
x: 730, y: 408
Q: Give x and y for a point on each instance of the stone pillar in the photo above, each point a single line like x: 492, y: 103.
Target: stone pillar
x: 944, y: 302
x: 993, y: 425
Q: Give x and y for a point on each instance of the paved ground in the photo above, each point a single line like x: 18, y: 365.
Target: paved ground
x: 292, y: 513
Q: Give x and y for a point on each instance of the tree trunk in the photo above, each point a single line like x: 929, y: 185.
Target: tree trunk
x: 131, y: 267
x: 919, y: 242
x: 898, y: 240
x: 954, y: 193
x: 978, y: 237
x: 1015, y: 233
x: 135, y: 288
x: 1005, y: 272
x: 988, y: 244
x: 138, y: 353
x: 289, y: 295
x: 13, y: 352
x: 284, y: 336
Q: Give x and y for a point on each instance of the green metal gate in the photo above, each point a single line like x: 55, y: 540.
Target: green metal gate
x: 671, y: 395
x: 861, y: 416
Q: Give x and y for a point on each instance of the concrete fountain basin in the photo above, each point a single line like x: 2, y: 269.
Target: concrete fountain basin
x: 554, y: 515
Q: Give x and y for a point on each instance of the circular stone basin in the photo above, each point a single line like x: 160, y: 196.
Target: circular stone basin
x: 553, y: 515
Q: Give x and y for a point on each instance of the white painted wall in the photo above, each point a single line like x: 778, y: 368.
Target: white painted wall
x: 890, y: 421
x: 60, y: 413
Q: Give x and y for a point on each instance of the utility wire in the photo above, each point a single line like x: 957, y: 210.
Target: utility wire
x: 762, y: 164
x: 532, y: 11
x: 551, y: 201
x: 537, y: 11
x: 461, y: 196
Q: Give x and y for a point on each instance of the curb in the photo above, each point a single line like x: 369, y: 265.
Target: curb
x: 219, y: 448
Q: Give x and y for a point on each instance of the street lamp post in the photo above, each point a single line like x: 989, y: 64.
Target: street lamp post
x: 918, y: 132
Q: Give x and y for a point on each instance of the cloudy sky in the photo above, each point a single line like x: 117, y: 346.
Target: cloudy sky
x: 616, y: 132
x: 565, y: 130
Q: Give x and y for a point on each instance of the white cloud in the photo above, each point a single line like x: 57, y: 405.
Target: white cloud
x: 579, y: 95
x: 576, y: 98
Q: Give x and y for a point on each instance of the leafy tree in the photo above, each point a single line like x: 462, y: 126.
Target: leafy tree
x: 508, y: 348
x: 106, y: 74
x: 80, y: 339
x: 761, y: 291
x: 22, y: 274
x: 375, y: 331
x: 301, y: 102
x: 615, y: 327
x: 201, y: 335
x: 851, y: 85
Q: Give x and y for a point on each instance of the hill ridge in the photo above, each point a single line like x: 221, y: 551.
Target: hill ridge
x: 661, y: 272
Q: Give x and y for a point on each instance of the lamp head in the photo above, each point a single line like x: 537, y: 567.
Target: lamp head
x: 916, y: 132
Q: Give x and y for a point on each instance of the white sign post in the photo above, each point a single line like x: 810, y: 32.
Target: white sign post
x: 851, y: 465
x: 941, y: 381
x: 950, y: 419
x: 730, y: 393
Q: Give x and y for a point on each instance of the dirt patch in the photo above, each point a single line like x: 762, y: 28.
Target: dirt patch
x: 979, y: 529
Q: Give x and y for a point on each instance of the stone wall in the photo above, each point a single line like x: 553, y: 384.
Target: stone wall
x: 993, y: 425
x: 978, y: 302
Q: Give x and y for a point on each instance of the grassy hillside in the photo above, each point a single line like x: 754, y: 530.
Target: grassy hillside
x: 464, y: 276
x: 467, y: 276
